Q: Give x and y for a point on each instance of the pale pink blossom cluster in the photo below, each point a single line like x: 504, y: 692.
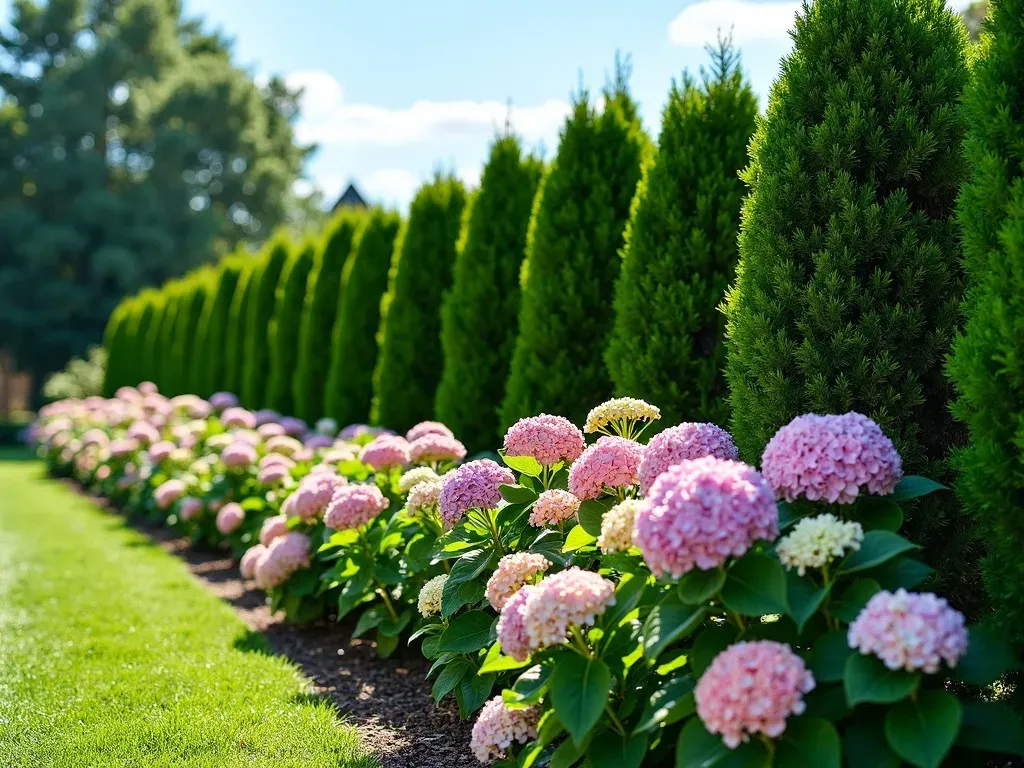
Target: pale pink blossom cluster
x: 192, y: 405
x: 126, y: 446
x: 276, y: 458
x: 497, y: 727
x: 475, y: 485
x: 168, y: 492
x: 285, y: 555
x: 512, y: 573
x: 910, y: 631
x: 553, y: 507
x: 286, y: 445
x: 432, y: 447
x: 230, y: 516
x: 831, y: 458
x: 238, y: 418
x: 385, y: 451
x: 238, y: 455
x: 610, y: 463
x: 144, y: 432
x: 512, y: 625
x: 425, y: 428
x: 252, y: 555
x: 272, y: 528
x: 274, y: 473
x: 310, y: 500
x: 189, y: 508
x: 424, y: 495
x: 751, y: 688
x: 680, y: 443
x: 269, y: 430
x: 354, y: 505
x: 700, y: 512
x: 223, y: 400
x: 548, y: 439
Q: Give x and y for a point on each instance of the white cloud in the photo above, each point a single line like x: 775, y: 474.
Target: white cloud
x: 470, y: 176
x: 394, y: 186
x: 700, y: 23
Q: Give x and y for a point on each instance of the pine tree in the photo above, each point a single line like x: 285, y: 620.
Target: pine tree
x: 209, y: 360
x: 409, y: 363
x: 284, y: 329
x: 234, y: 350
x: 572, y: 262
x: 317, y: 328
x: 680, y: 249
x: 987, y: 364
x: 265, y: 278
x: 478, y: 317
x: 354, y: 339
x: 848, y: 285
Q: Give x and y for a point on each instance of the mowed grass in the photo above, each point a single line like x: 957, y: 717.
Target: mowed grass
x: 112, y: 655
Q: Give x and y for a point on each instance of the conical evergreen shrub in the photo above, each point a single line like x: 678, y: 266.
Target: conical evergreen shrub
x: 317, y: 327
x: 987, y: 364
x: 478, y: 317
x: 284, y: 329
x: 680, y: 250
x: 114, y: 341
x: 848, y: 285
x: 209, y: 359
x: 256, y: 364
x: 186, y: 329
x: 238, y: 328
x: 354, y: 338
x: 572, y: 262
x: 409, y: 363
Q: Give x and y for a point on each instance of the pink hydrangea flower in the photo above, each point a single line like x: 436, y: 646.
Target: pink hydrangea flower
x: 700, y: 512
x: 144, y: 432
x: 385, y: 451
x: 269, y: 430
x: 248, y: 564
x: 148, y: 388
x: 274, y: 474
x: 238, y: 455
x: 284, y: 445
x: 223, y: 400
x: 189, y: 508
x: 428, y: 428
x: 910, y: 631
x: 611, y: 462
x: 433, y: 447
x: 751, y: 688
x: 497, y: 727
x: 511, y: 627
x: 681, y: 443
x: 123, y: 448
x: 831, y: 458
x: 314, y: 440
x: 573, y: 597
x: 230, y: 517
x: 169, y: 492
x: 310, y: 500
x: 238, y: 418
x: 272, y: 528
x: 354, y: 505
x: 424, y: 495
x: 513, y: 572
x: 285, y: 555
x: 475, y: 485
x: 553, y: 507
x: 548, y: 439
x: 276, y: 458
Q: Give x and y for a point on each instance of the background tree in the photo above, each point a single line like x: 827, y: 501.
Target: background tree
x: 478, y: 317
x: 266, y: 276
x: 409, y: 364
x: 572, y: 261
x: 354, y: 338
x: 680, y: 249
x: 284, y: 329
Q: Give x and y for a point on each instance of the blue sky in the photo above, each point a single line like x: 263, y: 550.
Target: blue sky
x: 398, y: 88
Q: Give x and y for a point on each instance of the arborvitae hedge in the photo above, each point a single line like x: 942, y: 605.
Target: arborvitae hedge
x: 144, y: 317
x: 186, y: 327
x: 209, y: 361
x: 572, y: 263
x: 114, y: 341
x: 409, y: 364
x: 151, y: 344
x: 680, y: 251
x: 265, y: 278
x: 322, y: 294
x: 354, y: 338
x: 234, y: 343
x: 848, y: 285
x: 284, y: 330
x: 988, y: 359
x: 478, y: 318
x: 163, y: 374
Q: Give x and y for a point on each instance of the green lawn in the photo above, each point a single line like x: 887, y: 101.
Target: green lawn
x: 112, y: 655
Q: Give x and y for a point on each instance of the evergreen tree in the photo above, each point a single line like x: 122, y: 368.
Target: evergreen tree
x: 354, y: 339
x: 183, y: 335
x: 409, y: 363
x: 478, y: 317
x: 138, y: 334
x: 987, y: 364
x: 284, y: 329
x: 572, y: 262
x: 680, y: 249
x: 209, y: 358
x: 848, y: 285
x: 114, y: 341
x: 186, y: 345
x: 265, y: 278
x: 234, y: 350
x: 172, y: 292
x: 317, y: 328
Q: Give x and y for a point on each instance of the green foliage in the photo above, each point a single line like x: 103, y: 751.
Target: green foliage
x: 115, y: 343
x: 284, y: 329
x: 209, y: 360
x: 572, y: 262
x: 409, y: 365
x: 238, y: 326
x: 478, y: 317
x: 354, y: 338
x: 680, y: 251
x: 187, y: 326
x: 81, y: 377
x: 987, y: 364
x: 847, y: 289
x: 322, y: 296
x: 256, y: 360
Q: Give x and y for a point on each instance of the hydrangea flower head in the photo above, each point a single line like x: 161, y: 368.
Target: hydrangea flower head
x: 752, y: 688
x: 229, y: 517
x: 610, y: 463
x: 269, y: 430
x: 266, y: 416
x: 143, y: 431
x: 497, y: 727
x: 428, y: 428
x: 274, y: 473
x: 512, y: 573
x: 911, y: 631
x: 620, y: 416
x: 831, y: 458
x: 247, y: 566
x: 681, y: 443
x: 553, y: 507
x: 238, y: 418
x: 414, y: 476
x: 326, y: 426
x: 572, y: 597
x: 429, y: 601
x: 294, y: 426
x: 238, y: 455
x: 169, y: 492
x: 548, y: 439
x: 272, y: 528
x: 124, y: 447
x: 285, y: 555
x: 700, y: 512
x: 815, y: 541
x: 354, y: 505
x: 189, y: 508
x: 385, y: 451
x: 424, y: 495
x: 223, y: 400
x: 617, y: 527
x: 432, y: 448
x: 286, y: 445
x: 511, y: 627
x: 314, y: 494
x: 475, y: 485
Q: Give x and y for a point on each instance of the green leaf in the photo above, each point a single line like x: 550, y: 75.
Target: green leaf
x: 530, y: 686
x: 696, y: 748
x: 590, y: 515
x: 472, y: 692
x: 865, y: 745
x: 627, y: 595
x: 467, y: 633
x: 922, y: 730
x: 902, y: 572
x: 879, y: 513
x: 548, y: 729
x: 567, y: 754
x: 610, y: 750
x: 468, y: 566
x: 496, y: 662
x: 449, y: 678
x: 577, y: 539
x: 804, y: 597
x: 526, y: 465
x: 668, y: 704
x: 854, y: 599
x: 667, y: 622
x: 990, y: 726
x: 394, y: 627
x: 878, y: 547
x: 914, y: 487
x: 455, y: 596
x: 708, y: 644
x: 988, y: 656
x: 787, y: 515
x: 517, y: 494
x: 810, y: 742
x: 828, y: 657
x: 755, y: 586
x: 699, y: 586
x: 579, y: 691
x: 866, y: 679
x: 386, y: 644
x: 370, y: 619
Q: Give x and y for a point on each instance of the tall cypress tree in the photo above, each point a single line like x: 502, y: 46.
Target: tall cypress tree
x: 680, y: 249
x: 572, y: 262
x: 848, y: 285
x: 186, y: 328
x: 237, y: 327
x: 138, y: 334
x: 354, y: 338
x: 478, y: 318
x: 987, y: 364
x: 265, y: 279
x: 409, y: 364
x: 209, y: 360
x: 322, y: 294
x: 284, y: 329
x: 114, y: 341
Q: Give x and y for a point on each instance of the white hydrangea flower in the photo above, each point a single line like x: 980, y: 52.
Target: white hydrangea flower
x: 415, y: 476
x: 620, y: 409
x: 815, y: 541
x: 429, y: 601
x: 617, y: 527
